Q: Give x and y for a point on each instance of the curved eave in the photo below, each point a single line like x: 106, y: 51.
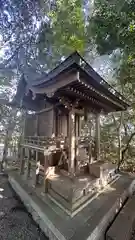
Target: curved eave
x: 81, y: 91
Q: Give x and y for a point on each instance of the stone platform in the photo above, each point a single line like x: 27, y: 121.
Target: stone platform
x: 90, y: 223
x: 80, y: 189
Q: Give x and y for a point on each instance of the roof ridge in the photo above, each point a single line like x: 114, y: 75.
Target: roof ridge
x: 75, y: 53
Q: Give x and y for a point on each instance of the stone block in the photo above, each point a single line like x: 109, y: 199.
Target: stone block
x: 95, y: 169
x: 104, y: 171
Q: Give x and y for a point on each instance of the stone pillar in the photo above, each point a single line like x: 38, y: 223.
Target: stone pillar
x: 97, y: 136
x: 71, y: 136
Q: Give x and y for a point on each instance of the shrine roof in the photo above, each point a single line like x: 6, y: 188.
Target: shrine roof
x: 74, y: 61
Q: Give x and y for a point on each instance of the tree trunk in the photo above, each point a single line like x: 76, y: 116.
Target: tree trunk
x: 10, y: 129
x: 118, y: 128
x: 125, y: 150
x: 119, y: 149
x: 22, y: 133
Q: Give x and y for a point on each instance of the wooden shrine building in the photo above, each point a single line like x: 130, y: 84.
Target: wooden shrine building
x: 56, y: 153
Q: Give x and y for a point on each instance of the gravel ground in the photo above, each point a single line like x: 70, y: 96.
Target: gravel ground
x: 15, y: 222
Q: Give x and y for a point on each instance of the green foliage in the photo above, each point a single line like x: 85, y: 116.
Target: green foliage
x: 112, y: 27
x: 68, y: 25
x: 64, y: 32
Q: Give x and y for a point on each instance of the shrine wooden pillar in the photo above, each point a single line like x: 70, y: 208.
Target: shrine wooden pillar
x: 53, y: 122
x: 71, y: 136
x: 22, y: 149
x: 36, y: 125
x: 46, y: 171
x: 24, y: 134
x: 97, y: 125
x: 36, y: 171
x: 29, y: 163
x: 22, y: 160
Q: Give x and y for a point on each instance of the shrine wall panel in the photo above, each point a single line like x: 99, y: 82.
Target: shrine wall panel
x: 64, y: 125
x: 46, y: 123
x: 30, y: 125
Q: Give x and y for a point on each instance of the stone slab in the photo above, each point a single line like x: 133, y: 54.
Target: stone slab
x: 90, y: 223
x: 101, y: 169
x: 121, y: 228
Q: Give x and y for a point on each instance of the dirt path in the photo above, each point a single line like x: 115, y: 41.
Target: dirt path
x: 15, y: 222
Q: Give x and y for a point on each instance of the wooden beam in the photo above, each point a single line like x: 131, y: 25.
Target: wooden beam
x: 79, y: 111
x: 41, y: 149
x: 101, y: 95
x: 87, y: 97
x: 44, y: 110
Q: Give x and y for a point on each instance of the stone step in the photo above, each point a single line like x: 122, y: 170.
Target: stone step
x: 121, y: 228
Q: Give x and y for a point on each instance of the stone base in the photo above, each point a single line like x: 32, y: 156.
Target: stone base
x: 105, y: 171
x: 89, y: 223
x: 78, y: 191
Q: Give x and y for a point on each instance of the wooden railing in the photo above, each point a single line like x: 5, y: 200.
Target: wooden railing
x: 42, y: 141
x: 85, y: 147
x: 46, y: 141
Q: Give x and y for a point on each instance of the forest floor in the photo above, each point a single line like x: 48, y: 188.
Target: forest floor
x: 15, y: 222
